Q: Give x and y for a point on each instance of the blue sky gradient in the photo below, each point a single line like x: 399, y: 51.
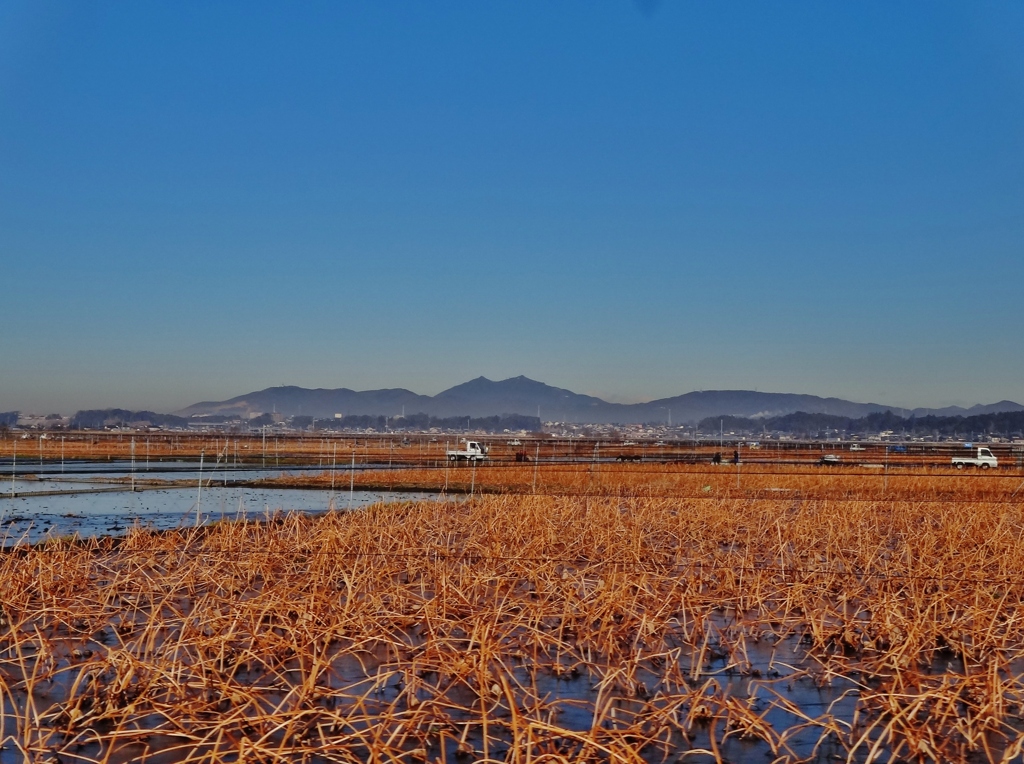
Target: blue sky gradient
x: 629, y: 200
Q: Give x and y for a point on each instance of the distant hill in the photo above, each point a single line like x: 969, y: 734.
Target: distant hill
x: 692, y: 407
x: 978, y: 410
x: 298, y: 401
x: 482, y: 397
x: 99, y: 418
x: 1002, y: 423
x: 519, y: 395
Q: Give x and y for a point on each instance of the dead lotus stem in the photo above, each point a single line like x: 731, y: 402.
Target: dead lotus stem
x: 278, y: 638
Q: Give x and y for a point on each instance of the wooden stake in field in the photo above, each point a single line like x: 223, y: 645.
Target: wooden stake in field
x: 199, y: 494
x: 352, y: 478
x: 334, y: 464
x: 536, y: 460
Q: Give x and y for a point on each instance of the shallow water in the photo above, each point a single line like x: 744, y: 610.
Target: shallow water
x: 780, y: 682
x: 22, y: 486
x: 175, y: 468
x: 33, y: 518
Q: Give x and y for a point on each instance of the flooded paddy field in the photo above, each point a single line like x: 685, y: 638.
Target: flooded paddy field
x: 184, y: 469
x: 31, y: 519
x: 284, y: 451
x: 93, y: 498
x: 702, y: 626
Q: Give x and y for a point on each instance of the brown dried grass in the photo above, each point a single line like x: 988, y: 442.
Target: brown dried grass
x: 441, y: 629
x: 748, y: 481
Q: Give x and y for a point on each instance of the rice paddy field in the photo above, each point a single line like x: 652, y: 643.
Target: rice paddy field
x: 323, y: 449
x: 557, y: 612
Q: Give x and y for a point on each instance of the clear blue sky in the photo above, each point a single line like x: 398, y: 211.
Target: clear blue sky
x: 628, y: 199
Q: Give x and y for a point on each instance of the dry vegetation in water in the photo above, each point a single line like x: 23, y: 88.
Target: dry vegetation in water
x: 528, y: 628
x: 756, y: 481
x: 323, y: 449
x: 243, y: 448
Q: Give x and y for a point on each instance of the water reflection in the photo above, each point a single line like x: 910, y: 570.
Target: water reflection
x: 32, y: 518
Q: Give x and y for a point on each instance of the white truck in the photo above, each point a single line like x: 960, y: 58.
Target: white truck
x: 983, y: 459
x: 472, y: 451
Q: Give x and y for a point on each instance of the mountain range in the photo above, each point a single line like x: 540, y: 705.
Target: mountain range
x: 519, y: 395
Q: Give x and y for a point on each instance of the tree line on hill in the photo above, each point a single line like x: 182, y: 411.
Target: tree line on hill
x: 420, y: 422
x: 1005, y: 424
x: 96, y: 419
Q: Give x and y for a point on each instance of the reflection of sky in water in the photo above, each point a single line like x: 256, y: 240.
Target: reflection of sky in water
x: 168, y: 470
x: 96, y: 514
x: 35, y: 486
x: 780, y: 671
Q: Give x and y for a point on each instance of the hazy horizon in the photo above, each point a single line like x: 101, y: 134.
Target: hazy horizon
x: 628, y: 200
x: 610, y: 398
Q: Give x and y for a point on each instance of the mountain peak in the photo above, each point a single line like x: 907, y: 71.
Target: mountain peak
x: 521, y: 395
